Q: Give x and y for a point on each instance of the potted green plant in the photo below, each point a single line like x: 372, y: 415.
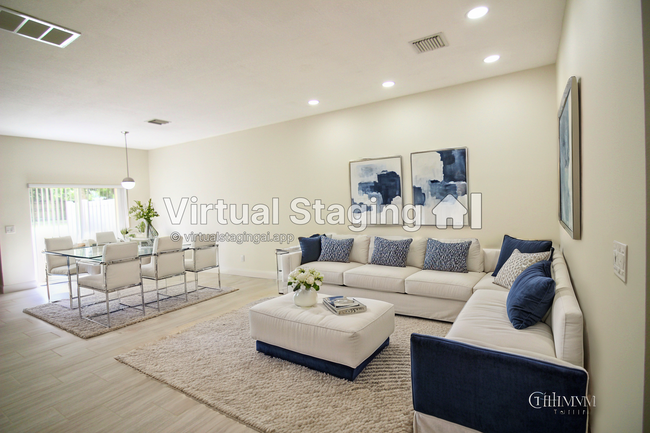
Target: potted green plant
x: 147, y: 214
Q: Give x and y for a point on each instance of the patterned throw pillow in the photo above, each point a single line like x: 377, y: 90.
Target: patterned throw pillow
x: 334, y: 250
x: 516, y: 264
x: 390, y: 253
x: 441, y: 256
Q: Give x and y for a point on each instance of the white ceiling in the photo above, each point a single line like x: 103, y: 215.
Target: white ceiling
x: 213, y: 67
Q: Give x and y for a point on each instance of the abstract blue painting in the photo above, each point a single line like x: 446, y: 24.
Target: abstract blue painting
x: 440, y: 192
x: 376, y: 190
x: 569, y: 163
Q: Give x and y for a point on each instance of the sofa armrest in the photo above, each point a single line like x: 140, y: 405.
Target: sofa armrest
x: 492, y: 391
x: 288, y: 259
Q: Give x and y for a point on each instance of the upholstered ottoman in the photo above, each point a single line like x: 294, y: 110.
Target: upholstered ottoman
x: 319, y: 339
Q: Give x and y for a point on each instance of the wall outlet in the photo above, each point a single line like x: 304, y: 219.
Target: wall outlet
x: 10, y: 229
x: 620, y: 260
x: 243, y: 258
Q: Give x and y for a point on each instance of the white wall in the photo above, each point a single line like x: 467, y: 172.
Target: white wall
x: 602, y: 45
x: 507, y: 123
x: 24, y: 160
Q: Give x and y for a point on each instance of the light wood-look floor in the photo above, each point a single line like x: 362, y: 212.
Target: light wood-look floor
x: 52, y: 381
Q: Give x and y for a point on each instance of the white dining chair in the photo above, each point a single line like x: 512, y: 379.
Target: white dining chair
x: 104, y: 238
x: 204, y: 255
x: 167, y: 260
x: 59, y: 265
x: 120, y: 269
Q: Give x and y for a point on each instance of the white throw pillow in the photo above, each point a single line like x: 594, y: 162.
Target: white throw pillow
x: 474, y: 256
x: 416, y: 253
x: 360, y: 246
x: 516, y: 264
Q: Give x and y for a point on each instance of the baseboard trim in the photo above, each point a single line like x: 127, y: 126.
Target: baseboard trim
x: 19, y: 286
x: 250, y: 273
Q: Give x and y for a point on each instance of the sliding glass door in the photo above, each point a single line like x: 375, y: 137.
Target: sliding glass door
x: 79, y: 212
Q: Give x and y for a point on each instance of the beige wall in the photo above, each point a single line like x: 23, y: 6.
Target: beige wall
x: 601, y: 45
x: 24, y: 160
x: 507, y: 123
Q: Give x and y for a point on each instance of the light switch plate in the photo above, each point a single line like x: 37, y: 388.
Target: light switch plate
x: 620, y: 260
x: 10, y: 229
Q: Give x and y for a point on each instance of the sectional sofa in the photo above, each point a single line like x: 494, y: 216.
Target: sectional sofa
x: 485, y: 375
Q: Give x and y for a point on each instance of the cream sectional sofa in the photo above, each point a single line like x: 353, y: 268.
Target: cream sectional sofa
x: 412, y: 290
x: 484, y: 368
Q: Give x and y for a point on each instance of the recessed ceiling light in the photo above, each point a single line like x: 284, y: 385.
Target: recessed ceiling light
x: 477, y: 12
x: 388, y: 83
x: 314, y: 102
x: 491, y: 59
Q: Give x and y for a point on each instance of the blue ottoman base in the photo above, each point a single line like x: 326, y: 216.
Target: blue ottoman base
x: 338, y: 370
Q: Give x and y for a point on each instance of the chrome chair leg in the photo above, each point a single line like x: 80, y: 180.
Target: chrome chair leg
x: 108, y: 311
x: 157, y: 296
x: 185, y: 283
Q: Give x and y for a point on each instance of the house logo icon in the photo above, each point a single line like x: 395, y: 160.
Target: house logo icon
x: 449, y: 208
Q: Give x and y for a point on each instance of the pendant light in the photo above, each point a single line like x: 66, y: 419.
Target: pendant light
x: 128, y: 182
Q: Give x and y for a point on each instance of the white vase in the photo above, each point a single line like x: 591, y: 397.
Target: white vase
x: 305, y: 298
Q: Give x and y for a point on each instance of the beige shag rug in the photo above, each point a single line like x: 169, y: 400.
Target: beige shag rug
x: 58, y: 314
x: 216, y: 363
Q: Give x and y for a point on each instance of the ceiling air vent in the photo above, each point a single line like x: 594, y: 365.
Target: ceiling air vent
x: 33, y: 28
x: 158, y: 122
x: 429, y: 43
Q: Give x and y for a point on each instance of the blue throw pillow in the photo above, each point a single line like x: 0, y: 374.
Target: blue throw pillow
x: 531, y: 295
x: 444, y: 256
x: 334, y: 250
x: 510, y: 244
x: 310, y: 248
x: 390, y: 253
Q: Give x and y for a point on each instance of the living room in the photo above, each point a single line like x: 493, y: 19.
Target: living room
x: 507, y: 122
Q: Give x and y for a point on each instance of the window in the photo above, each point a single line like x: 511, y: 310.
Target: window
x: 76, y: 211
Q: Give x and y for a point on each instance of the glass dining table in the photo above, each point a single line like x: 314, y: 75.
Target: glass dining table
x: 94, y: 254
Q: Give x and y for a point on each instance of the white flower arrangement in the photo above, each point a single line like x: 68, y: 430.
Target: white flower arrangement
x: 305, y: 279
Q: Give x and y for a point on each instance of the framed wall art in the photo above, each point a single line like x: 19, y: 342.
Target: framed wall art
x: 376, y: 190
x: 569, y: 159
x: 440, y: 192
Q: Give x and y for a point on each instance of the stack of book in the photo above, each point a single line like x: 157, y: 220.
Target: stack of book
x: 343, y: 305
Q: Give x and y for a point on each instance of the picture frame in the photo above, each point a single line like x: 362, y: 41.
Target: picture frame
x: 568, y: 114
x: 440, y: 187
x: 376, y: 190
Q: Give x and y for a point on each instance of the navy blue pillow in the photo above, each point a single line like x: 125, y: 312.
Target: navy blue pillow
x: 510, y: 244
x: 390, y: 253
x: 310, y: 248
x: 531, y: 295
x: 335, y: 250
x: 444, y: 256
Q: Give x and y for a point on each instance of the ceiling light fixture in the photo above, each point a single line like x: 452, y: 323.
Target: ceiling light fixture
x: 127, y: 182
x: 314, y: 102
x: 477, y: 12
x: 388, y: 83
x: 491, y: 59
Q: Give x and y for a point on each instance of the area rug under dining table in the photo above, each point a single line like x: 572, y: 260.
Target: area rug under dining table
x: 216, y: 363
x: 173, y: 298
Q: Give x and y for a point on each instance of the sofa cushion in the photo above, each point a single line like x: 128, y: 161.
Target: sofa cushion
x: 531, y: 295
x: 380, y: 278
x: 487, y: 282
x: 510, y: 244
x: 484, y: 318
x: 333, y: 250
x: 447, y: 257
x: 417, y: 249
x: 440, y: 284
x: 516, y: 264
x: 390, y: 253
x: 359, y: 252
x: 310, y: 248
x: 474, y: 256
x: 332, y: 271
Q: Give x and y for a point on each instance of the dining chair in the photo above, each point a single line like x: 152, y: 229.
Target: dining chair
x: 120, y: 269
x: 167, y: 260
x: 59, y: 265
x: 104, y: 238
x: 204, y: 256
